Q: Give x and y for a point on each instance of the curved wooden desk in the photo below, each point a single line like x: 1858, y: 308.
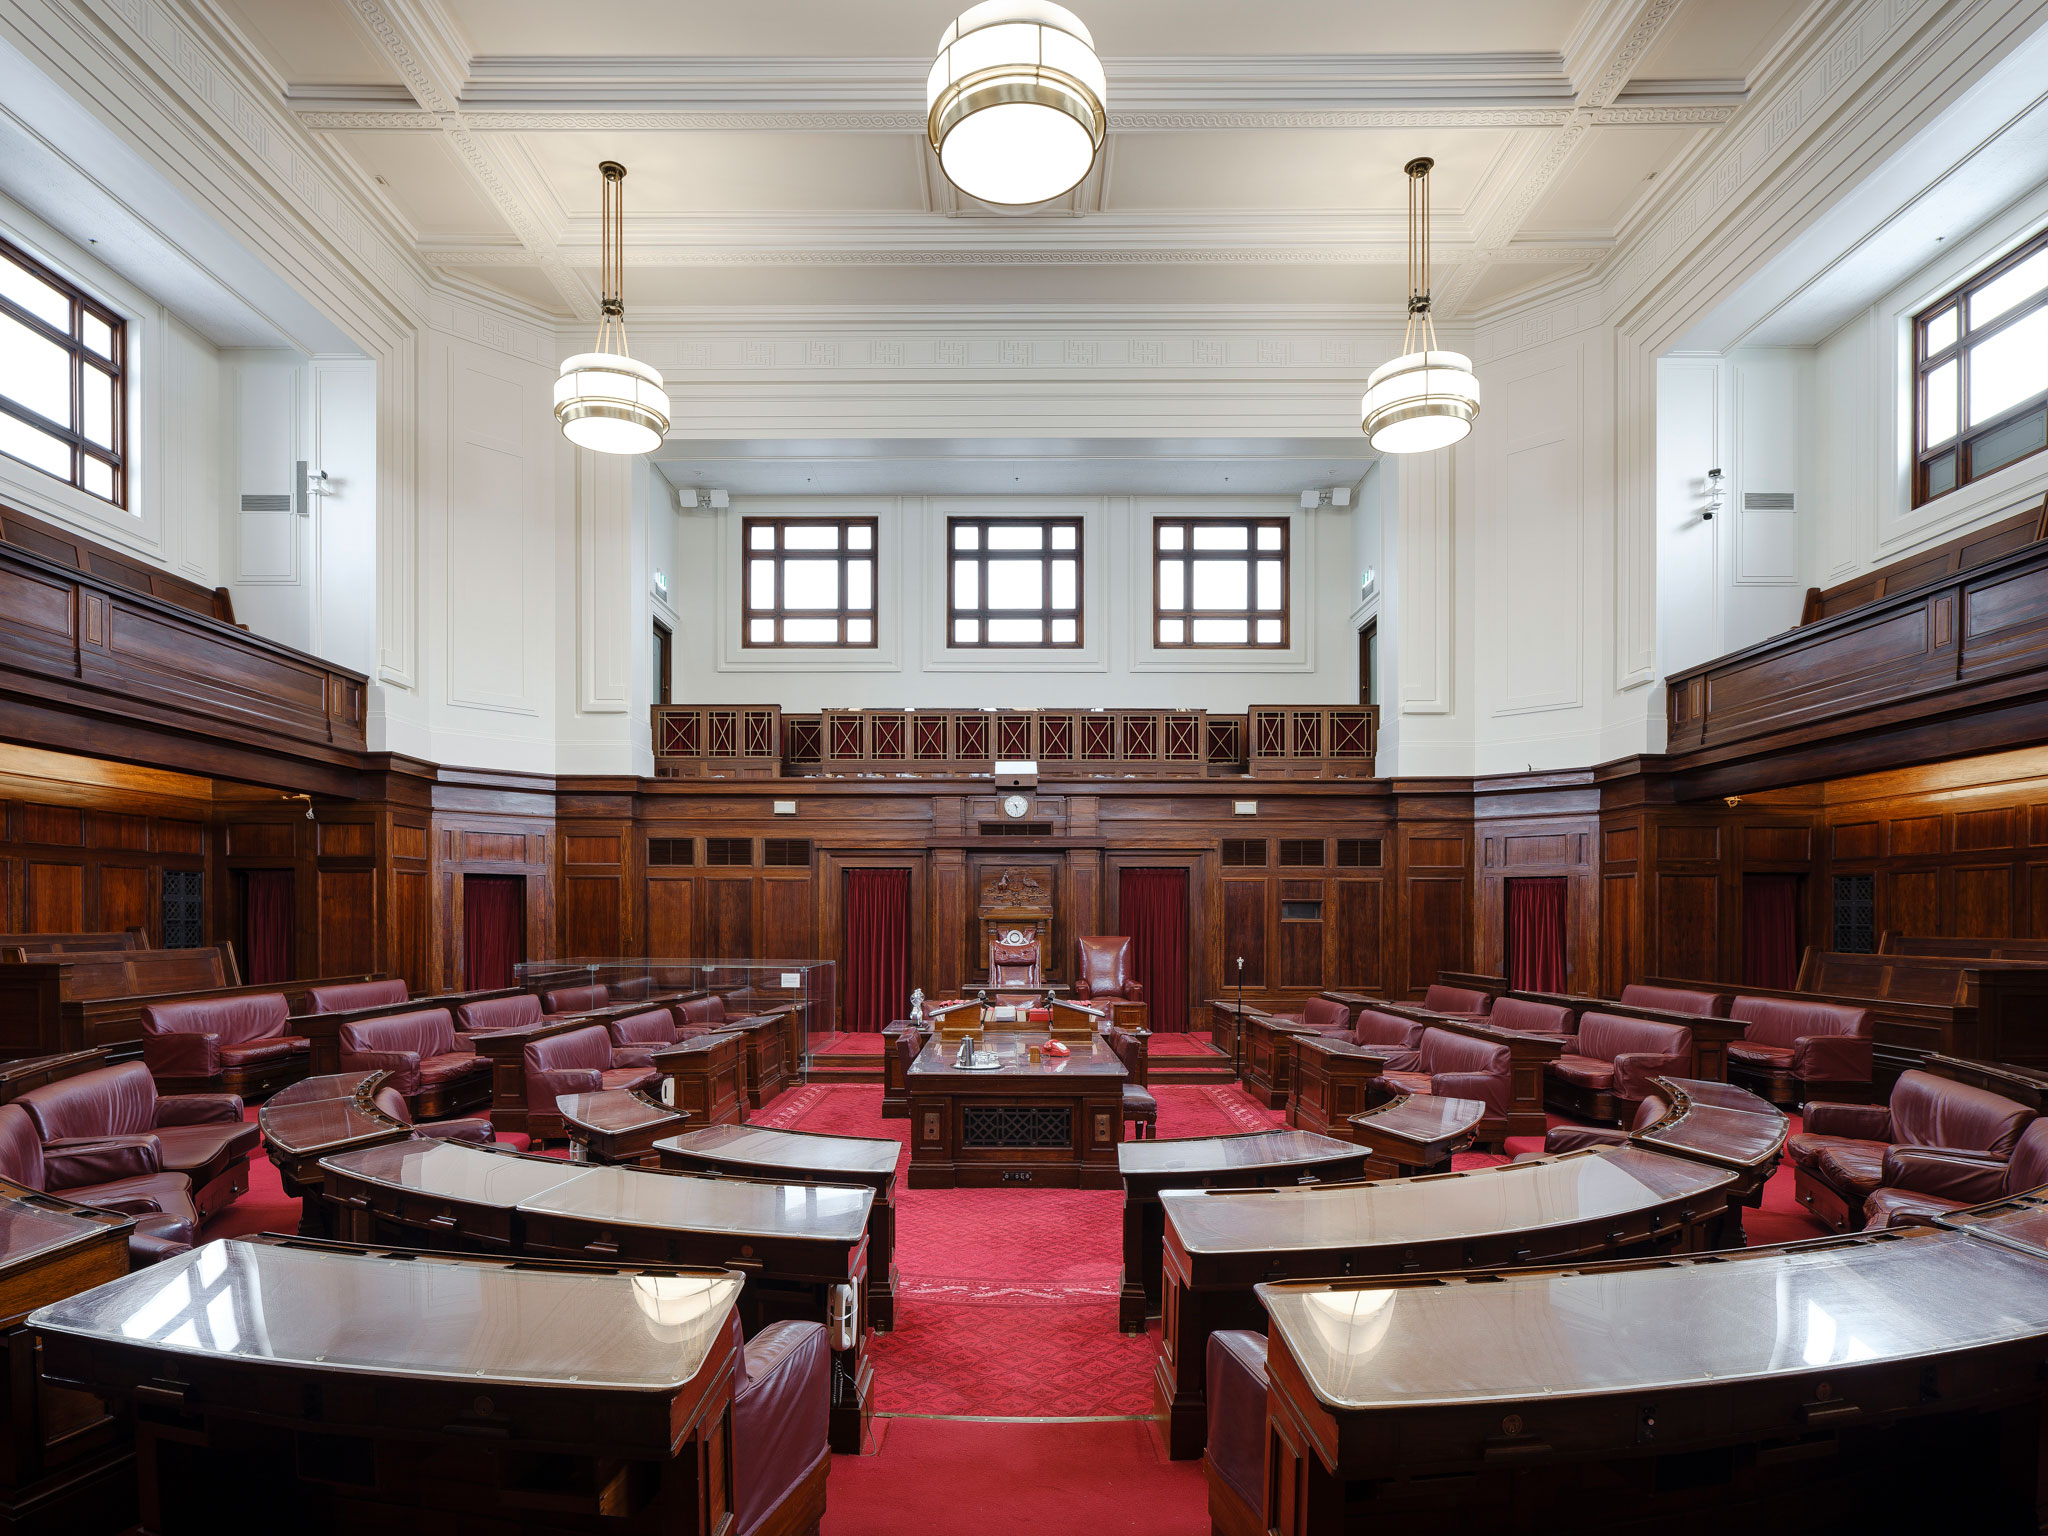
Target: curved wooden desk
x: 322, y: 1117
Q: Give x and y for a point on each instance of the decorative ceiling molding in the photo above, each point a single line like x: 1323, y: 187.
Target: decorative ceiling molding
x: 455, y: 257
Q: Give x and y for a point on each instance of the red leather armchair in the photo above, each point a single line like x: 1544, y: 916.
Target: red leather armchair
x: 392, y: 1103
x: 161, y: 1203
x: 576, y: 999
x: 1454, y: 1066
x: 581, y: 1061
x: 487, y: 1014
x: 91, y: 1126
x: 1104, y: 970
x: 782, y: 1401
x: 223, y: 1044
x: 1671, y: 999
x: 1530, y: 1017
x: 1015, y: 966
x: 1791, y: 1050
x: 1443, y: 999
x: 1236, y: 1459
x: 1838, y: 1160
x: 1921, y: 1183
x: 1372, y: 1027
x: 436, y: 1069
x: 700, y: 1015
x: 638, y: 1035
x: 344, y: 995
x: 1320, y: 1014
x: 1605, y: 1070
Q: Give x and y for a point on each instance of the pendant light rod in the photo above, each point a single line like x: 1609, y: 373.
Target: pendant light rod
x: 1418, y: 171
x: 612, y: 274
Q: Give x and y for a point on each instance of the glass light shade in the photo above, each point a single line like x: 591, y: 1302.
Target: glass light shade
x: 610, y: 403
x: 1421, y: 401
x: 1014, y: 101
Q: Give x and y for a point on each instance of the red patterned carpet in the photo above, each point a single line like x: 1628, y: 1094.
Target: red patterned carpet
x: 1181, y: 1045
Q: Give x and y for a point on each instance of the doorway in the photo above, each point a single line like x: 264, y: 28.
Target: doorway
x: 1152, y: 909
x: 264, y: 933
x: 1770, y: 930
x: 493, y: 930
x: 1369, y: 663
x: 876, y: 944
x: 1535, y: 946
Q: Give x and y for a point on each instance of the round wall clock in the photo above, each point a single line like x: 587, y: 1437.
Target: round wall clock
x: 1015, y: 806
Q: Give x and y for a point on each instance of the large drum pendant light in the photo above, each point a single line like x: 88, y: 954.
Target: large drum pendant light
x: 605, y: 400
x: 1426, y: 398
x: 1014, y: 103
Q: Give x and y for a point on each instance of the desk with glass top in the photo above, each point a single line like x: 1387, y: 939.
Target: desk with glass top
x: 759, y: 1153
x: 317, y: 1118
x: 316, y: 1385
x: 617, y: 1125
x: 1883, y: 1382
x: 1596, y: 1203
x: 1255, y: 1160
x: 1415, y: 1132
x: 1054, y: 1122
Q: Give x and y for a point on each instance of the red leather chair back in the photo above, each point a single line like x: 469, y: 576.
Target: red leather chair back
x: 1604, y: 1036
x: 427, y: 1031
x: 112, y: 1101
x: 1670, y: 999
x: 1320, y: 1013
x: 1442, y: 999
x: 1927, y: 1111
x: 235, y: 1019
x: 345, y: 995
x: 2029, y: 1166
x: 1444, y: 1050
x: 590, y: 1047
x: 489, y: 1013
x: 1013, y: 965
x: 1105, y: 966
x: 655, y: 1027
x: 392, y: 1102
x: 1783, y: 1020
x: 21, y: 1149
x: 576, y: 999
x: 1532, y: 1018
x: 701, y: 1010
x: 1372, y: 1027
x: 1649, y: 1112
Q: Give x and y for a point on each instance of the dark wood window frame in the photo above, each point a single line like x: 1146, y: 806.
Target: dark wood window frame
x: 82, y: 451
x: 1250, y: 555
x: 845, y: 617
x: 664, y: 663
x: 1947, y: 466
x: 1046, y: 612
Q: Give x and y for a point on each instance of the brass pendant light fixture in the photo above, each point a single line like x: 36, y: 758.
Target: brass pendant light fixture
x: 1427, y: 397
x: 605, y: 400
x: 1014, y: 103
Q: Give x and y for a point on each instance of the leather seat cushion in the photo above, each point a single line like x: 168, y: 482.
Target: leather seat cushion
x: 1138, y: 1099
x: 1806, y: 1147
x: 1407, y: 1082
x: 630, y: 1077
x: 1762, y: 1055
x: 1852, y: 1168
x: 242, y: 1053
x: 171, y: 1192
x: 1896, y: 1207
x: 211, y: 1146
x: 1586, y: 1071
x: 435, y: 1070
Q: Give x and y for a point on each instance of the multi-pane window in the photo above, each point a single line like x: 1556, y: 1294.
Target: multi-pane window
x: 1981, y: 374
x: 1220, y: 581
x: 61, y: 407
x: 1014, y: 581
x: 809, y: 581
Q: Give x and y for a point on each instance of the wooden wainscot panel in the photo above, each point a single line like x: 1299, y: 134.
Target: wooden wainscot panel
x: 492, y: 847
x: 1855, y: 840
x: 260, y: 839
x: 1977, y: 831
x: 1622, y: 845
x: 1915, y: 835
x: 1539, y: 848
x: 1676, y: 842
x: 347, y: 840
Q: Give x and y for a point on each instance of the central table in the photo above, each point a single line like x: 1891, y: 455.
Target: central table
x: 1055, y: 1122
x: 277, y: 1386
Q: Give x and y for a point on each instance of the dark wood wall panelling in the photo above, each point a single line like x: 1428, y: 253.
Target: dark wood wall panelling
x: 1539, y: 827
x: 84, y: 868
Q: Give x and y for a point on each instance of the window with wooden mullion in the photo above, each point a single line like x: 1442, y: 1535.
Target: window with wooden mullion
x: 1980, y: 395
x: 62, y: 406
x: 808, y: 581
x: 1219, y: 583
x: 1013, y: 581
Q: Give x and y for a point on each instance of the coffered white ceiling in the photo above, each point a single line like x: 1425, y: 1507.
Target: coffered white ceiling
x: 776, y: 152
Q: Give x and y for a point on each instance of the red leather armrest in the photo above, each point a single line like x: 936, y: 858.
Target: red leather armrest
x: 455, y: 1130
x: 1859, y: 1122
x: 1483, y: 1086
x: 1133, y: 992
x: 1570, y: 1138
x: 632, y: 1056
x: 404, y: 1066
x: 1969, y: 1177
x: 77, y: 1161
x: 192, y: 1055
x: 779, y: 1416
x: 1570, y: 1044
x: 1634, y: 1069
x: 1832, y: 1058
x: 198, y: 1108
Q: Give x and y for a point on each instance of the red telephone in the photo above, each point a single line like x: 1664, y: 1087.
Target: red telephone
x: 1055, y: 1048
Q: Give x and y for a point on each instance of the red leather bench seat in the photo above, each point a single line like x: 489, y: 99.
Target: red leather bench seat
x: 420, y: 1049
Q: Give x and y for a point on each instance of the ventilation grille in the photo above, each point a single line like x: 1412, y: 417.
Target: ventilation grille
x: 1244, y: 853
x: 1301, y: 853
x: 1358, y: 853
x: 280, y: 503
x: 786, y: 853
x: 184, y: 914
x: 1016, y: 829
x: 729, y: 852
x: 1855, y: 914
x: 671, y: 851
x: 1767, y: 501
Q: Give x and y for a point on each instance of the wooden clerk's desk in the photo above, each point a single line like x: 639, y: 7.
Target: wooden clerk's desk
x: 797, y: 1244
x: 1052, y: 1123
x: 282, y: 1384
x: 1885, y: 1382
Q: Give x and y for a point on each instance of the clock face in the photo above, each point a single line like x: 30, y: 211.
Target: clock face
x: 1016, y: 805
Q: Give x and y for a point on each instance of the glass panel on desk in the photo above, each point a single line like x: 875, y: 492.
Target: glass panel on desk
x: 636, y: 1197
x: 456, y: 1171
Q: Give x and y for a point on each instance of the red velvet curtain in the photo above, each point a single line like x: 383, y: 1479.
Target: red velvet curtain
x: 1770, y: 930
x: 877, y: 948
x: 266, y: 926
x: 493, y: 929
x: 1535, y: 938
x: 1152, y: 906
